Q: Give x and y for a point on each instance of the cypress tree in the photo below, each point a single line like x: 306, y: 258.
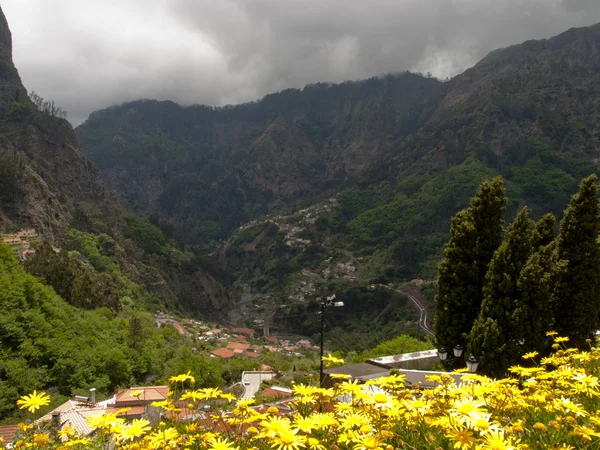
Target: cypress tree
x: 494, y: 340
x: 457, y: 282
x: 544, y: 231
x: 487, y: 208
x: 576, y: 296
x: 533, y: 315
x: 475, y: 235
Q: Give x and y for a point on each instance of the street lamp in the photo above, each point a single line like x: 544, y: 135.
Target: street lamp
x: 457, y: 352
x: 330, y: 301
x: 472, y: 364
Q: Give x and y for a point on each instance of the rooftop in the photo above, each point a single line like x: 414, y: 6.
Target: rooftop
x: 360, y: 371
x: 223, y: 353
x: 395, y: 359
x: 148, y: 394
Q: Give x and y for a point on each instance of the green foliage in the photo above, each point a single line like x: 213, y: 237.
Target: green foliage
x: 368, y: 317
x: 73, y: 280
x: 576, y: 297
x: 45, y: 343
x: 544, y: 231
x: 487, y: 209
x: 457, y: 283
x: 496, y: 339
x: 420, y: 213
x: 533, y: 308
x: 475, y: 234
x: 104, y: 254
x: 20, y: 111
x: 146, y: 235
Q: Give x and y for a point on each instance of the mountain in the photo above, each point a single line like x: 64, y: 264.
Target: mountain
x: 44, y: 177
x: 46, y: 182
x: 209, y: 170
x: 400, y: 154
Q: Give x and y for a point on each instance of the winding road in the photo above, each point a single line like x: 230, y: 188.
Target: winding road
x: 423, y: 319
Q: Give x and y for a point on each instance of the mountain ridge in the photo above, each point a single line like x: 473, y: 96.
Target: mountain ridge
x: 407, y: 149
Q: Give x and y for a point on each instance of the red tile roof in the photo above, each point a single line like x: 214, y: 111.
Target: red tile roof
x: 149, y: 394
x: 7, y: 433
x: 238, y: 346
x: 276, y: 392
x: 246, y: 331
x: 223, y: 353
x: 131, y: 410
x: 252, y: 355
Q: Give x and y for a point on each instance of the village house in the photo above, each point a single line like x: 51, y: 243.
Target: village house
x: 249, y: 332
x: 223, y: 353
x: 75, y: 412
x: 304, y: 343
x: 237, y: 346
x: 276, y: 392
x: 7, y: 433
x: 138, y: 400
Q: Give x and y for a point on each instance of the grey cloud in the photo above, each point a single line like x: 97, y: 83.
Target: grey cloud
x: 88, y: 55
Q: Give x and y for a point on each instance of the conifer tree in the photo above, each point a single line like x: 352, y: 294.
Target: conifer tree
x: 544, y: 231
x: 487, y: 209
x: 476, y: 233
x: 576, y: 296
x: 457, y: 282
x: 494, y: 341
x: 533, y: 315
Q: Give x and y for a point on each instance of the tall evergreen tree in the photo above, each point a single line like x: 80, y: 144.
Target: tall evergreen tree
x: 533, y: 315
x: 494, y: 340
x: 487, y: 208
x: 576, y: 297
x: 475, y: 234
x: 544, y: 231
x: 457, y: 282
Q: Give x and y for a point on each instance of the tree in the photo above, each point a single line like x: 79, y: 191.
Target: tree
x: 487, y: 208
x: 544, y: 231
x: 533, y: 309
x: 47, y: 107
x: 494, y: 340
x: 476, y: 233
x: 576, y: 296
x: 457, y: 282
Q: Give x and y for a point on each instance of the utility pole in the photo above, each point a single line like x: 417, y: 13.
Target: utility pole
x: 324, y: 304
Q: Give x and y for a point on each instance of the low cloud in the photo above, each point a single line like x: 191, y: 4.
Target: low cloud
x: 89, y: 55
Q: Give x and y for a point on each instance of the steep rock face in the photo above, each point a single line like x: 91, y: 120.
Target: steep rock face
x: 45, y: 180
x: 211, y: 169
x: 57, y: 177
x: 549, y: 86
x: 539, y: 100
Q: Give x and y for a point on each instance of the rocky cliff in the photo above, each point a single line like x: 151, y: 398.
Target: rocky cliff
x: 46, y: 182
x: 49, y: 176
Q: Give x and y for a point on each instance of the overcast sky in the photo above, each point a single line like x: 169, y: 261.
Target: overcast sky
x: 89, y: 54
